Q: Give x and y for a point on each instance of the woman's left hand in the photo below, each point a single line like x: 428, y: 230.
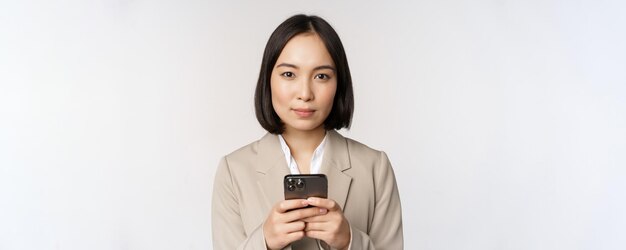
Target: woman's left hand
x: 332, y: 227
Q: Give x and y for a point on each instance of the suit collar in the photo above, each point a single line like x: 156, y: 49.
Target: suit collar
x: 272, y: 168
x: 269, y: 154
x: 336, y: 152
x: 336, y: 161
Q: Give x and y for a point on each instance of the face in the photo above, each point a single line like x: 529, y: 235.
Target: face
x: 303, y: 83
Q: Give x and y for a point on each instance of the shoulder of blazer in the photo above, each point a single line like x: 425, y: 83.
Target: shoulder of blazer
x: 243, y: 154
x: 359, y: 154
x: 265, y: 150
x: 357, y: 146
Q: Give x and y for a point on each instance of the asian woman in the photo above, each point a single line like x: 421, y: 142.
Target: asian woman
x: 303, y: 95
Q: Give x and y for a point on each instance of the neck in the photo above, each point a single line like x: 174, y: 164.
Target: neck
x: 304, y: 141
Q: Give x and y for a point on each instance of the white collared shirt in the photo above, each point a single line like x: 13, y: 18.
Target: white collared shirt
x: 316, y: 160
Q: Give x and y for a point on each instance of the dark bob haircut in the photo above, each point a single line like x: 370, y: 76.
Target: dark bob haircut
x: 343, y: 105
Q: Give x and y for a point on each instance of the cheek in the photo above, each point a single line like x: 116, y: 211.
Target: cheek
x: 329, y: 96
x: 279, y: 96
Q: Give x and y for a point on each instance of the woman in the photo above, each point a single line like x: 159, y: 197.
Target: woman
x: 304, y: 94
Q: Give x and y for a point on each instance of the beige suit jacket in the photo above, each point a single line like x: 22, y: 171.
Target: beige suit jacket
x: 249, y: 181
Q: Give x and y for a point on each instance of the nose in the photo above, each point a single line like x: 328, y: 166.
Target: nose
x: 305, y: 93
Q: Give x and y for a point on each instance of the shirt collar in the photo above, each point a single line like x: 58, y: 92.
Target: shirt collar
x: 316, y: 160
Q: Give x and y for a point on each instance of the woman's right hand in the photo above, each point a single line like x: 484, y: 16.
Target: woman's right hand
x: 284, y: 223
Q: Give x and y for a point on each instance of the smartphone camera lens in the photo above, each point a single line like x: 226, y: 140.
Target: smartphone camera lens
x: 291, y: 187
x: 300, y: 183
x: 291, y: 182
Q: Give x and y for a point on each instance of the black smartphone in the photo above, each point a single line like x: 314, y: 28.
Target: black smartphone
x: 302, y: 186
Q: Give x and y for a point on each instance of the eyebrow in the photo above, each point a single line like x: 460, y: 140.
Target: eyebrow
x: 316, y: 68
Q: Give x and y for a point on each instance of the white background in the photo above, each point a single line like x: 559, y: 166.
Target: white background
x: 504, y: 120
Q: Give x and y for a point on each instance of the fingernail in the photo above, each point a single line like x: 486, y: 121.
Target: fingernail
x: 311, y: 199
x: 323, y: 210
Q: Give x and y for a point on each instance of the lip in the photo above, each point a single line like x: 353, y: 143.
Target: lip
x: 303, y: 112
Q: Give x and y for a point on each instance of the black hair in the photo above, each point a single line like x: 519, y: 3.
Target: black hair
x: 343, y: 105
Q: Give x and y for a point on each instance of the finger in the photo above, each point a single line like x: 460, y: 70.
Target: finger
x: 320, y: 235
x: 287, y: 205
x: 329, y: 204
x: 317, y: 218
x: 317, y: 226
x: 291, y: 237
x: 300, y: 214
x: 293, y: 227
x: 295, y: 235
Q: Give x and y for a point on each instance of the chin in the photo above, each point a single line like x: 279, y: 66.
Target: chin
x: 306, y: 127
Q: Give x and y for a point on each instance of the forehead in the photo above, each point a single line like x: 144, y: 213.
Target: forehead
x: 305, y: 50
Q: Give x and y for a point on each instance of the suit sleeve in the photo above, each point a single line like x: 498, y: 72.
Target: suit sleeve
x: 386, y: 229
x: 227, y: 226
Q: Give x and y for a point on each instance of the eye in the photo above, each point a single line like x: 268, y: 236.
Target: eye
x: 288, y: 74
x: 322, y: 76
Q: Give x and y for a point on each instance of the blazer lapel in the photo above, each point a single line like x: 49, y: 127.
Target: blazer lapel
x: 271, y: 169
x: 336, y: 161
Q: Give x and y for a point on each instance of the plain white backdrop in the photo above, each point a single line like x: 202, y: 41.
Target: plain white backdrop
x: 505, y: 120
